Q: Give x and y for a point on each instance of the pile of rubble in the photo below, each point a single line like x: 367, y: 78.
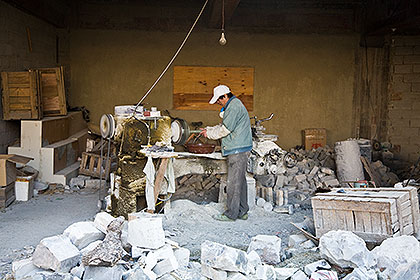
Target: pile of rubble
x: 299, y: 174
x: 113, y: 249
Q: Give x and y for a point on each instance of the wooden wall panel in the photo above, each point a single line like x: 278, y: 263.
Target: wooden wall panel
x: 51, y: 88
x: 20, y: 96
x: 193, y: 86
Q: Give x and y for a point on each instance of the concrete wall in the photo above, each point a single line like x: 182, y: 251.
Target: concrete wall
x: 15, y: 54
x: 306, y: 80
x: 404, y: 104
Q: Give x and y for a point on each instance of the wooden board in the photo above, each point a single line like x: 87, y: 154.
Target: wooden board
x: 193, y: 86
x: 52, y: 92
x: 7, y: 195
x: 20, y: 96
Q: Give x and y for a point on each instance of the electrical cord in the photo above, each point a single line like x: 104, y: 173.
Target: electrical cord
x: 173, y: 58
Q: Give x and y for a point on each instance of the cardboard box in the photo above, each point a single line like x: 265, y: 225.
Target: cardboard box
x: 8, y: 168
x: 314, y: 138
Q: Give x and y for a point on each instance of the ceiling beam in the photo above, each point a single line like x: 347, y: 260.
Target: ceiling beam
x: 53, y: 12
x: 230, y: 6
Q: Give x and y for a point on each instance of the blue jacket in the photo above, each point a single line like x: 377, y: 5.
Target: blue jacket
x: 236, y: 120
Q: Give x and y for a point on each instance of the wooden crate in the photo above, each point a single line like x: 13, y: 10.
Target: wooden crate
x: 20, y: 96
x: 374, y: 214
x: 52, y: 92
x: 7, y: 195
x: 90, y: 165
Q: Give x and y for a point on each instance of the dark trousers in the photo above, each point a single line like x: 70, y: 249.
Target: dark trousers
x: 237, y: 189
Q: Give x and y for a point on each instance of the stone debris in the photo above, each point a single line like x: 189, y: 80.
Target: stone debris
x: 110, y: 251
x: 223, y: 257
x: 268, y: 247
x: 78, y: 271
x: 345, y: 249
x: 56, y: 253
x: 82, y: 234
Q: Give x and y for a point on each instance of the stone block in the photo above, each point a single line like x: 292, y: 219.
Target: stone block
x: 78, y: 271
x: 166, y: 265
x: 345, y: 249
x: 137, y: 273
x: 403, y: 69
x: 223, y: 257
x: 284, y: 273
x: 94, y: 183
x: 137, y: 252
x: 213, y: 273
x: 397, y: 255
x: 56, y: 253
x: 182, y: 255
x: 104, y: 273
x: 403, y: 50
x: 146, y: 232
x: 296, y: 239
x: 411, y: 59
x: 327, y: 171
x: 23, y: 268
x: 90, y: 247
x: 318, y: 265
x: 77, y: 182
x: 299, y: 275
x: 82, y: 234
x: 314, y: 170
x: 267, y: 247
x: 236, y: 276
x: 331, y: 183
x: 308, y: 244
x: 300, y: 178
x: 102, y: 220
x: 265, y: 272
x: 254, y: 261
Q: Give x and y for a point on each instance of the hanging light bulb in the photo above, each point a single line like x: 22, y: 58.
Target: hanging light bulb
x: 222, y: 40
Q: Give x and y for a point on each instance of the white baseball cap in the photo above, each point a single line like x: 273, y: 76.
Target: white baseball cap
x: 217, y: 92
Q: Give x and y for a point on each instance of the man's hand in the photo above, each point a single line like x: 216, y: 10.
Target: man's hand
x: 203, y: 132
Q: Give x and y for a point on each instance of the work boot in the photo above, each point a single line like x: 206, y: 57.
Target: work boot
x: 222, y: 217
x: 244, y: 216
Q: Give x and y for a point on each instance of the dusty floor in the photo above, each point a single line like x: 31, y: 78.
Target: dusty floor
x: 24, y: 224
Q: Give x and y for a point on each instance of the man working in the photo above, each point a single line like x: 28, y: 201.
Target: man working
x: 235, y: 132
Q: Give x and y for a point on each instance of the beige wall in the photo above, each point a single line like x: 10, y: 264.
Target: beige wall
x: 16, y: 56
x: 306, y: 80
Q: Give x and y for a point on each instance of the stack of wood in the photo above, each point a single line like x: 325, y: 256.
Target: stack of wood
x: 33, y: 94
x: 197, y: 187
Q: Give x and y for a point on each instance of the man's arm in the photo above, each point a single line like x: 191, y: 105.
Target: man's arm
x: 215, y: 132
